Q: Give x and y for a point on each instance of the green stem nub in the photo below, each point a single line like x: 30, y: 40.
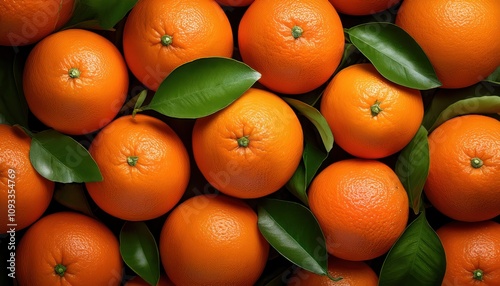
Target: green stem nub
x: 132, y: 160
x: 375, y: 108
x: 297, y: 32
x: 166, y: 40
x: 476, y: 163
x: 478, y: 275
x: 74, y: 73
x: 60, y: 269
x: 243, y: 141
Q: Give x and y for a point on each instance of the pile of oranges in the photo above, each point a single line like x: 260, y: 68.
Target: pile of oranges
x: 198, y: 182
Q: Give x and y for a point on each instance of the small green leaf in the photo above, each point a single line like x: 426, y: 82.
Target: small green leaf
x: 140, y: 100
x: 494, y: 77
x: 139, y: 251
x: 60, y: 158
x: 294, y: 232
x: 98, y: 14
x: 417, y: 258
x: 297, y: 183
x: 202, y: 87
x: 395, y: 54
x: 73, y: 196
x: 412, y: 168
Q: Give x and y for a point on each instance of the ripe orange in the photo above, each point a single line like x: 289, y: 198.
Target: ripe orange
x: 362, y: 7
x: 235, y: 3
x: 251, y: 148
x: 75, y: 81
x: 295, y: 45
x: 472, y: 253
x: 25, y: 22
x: 370, y: 117
x: 68, y: 248
x: 463, y: 181
x: 138, y: 281
x: 161, y: 35
x: 213, y: 240
x: 145, y: 167
x: 353, y: 273
x: 361, y: 206
x: 456, y: 36
x: 24, y: 195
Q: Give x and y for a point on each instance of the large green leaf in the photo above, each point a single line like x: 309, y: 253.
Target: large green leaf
x: 139, y: 251
x: 99, y: 14
x: 60, y: 158
x: 202, y: 87
x: 13, y: 107
x: 395, y: 54
x: 412, y: 168
x: 494, y: 77
x: 417, y: 258
x: 73, y: 196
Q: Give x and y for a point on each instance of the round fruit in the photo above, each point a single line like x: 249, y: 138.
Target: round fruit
x: 251, y: 148
x: 138, y: 281
x: 361, y: 206
x: 295, y: 45
x: 145, y: 167
x: 213, y: 240
x: 370, y: 117
x: 464, y: 171
x: 362, y: 7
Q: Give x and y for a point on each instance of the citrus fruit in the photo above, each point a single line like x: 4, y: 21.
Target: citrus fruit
x: 361, y: 206
x: 138, y: 281
x: 145, y: 168
x: 162, y: 35
x: 456, y: 36
x: 370, y: 117
x: 464, y: 168
x: 295, y: 45
x: 67, y: 248
x: 75, y: 81
x: 25, y: 22
x: 251, y: 148
x: 472, y: 252
x: 25, y: 195
x: 362, y: 7
x: 235, y: 3
x: 213, y: 240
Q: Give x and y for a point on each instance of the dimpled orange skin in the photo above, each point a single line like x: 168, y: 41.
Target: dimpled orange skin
x: 362, y: 7
x: 198, y: 29
x: 287, y: 64
x: 275, y: 144
x: 86, y: 247
x: 213, y: 240
x: 156, y: 182
x: 30, y: 193
x: 470, y: 247
x: 454, y: 186
x: 346, y: 105
x: 456, y: 35
x: 81, y: 104
x: 361, y: 206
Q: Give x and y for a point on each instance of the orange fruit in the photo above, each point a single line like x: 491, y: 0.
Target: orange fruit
x: 75, y: 81
x: 162, y: 35
x: 370, y: 117
x: 68, y: 248
x: 472, y: 253
x: 295, y: 45
x: 251, y: 148
x: 468, y: 24
x: 353, y: 273
x: 25, y: 195
x: 213, y: 240
x: 362, y: 7
x: 463, y: 181
x: 145, y: 167
x: 235, y: 3
x: 361, y: 206
x: 25, y: 22
x: 138, y: 281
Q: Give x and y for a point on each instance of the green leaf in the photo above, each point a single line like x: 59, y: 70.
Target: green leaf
x: 73, y: 196
x: 60, y: 158
x: 297, y: 184
x: 98, y: 14
x: 417, y: 258
x: 202, y: 87
x: 395, y: 54
x: 139, y: 251
x: 294, y: 232
x: 412, y: 168
x: 13, y: 106
x: 140, y: 100
x: 494, y: 77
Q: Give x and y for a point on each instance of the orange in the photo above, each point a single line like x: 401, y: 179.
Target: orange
x: 25, y: 195
x: 235, y: 3
x: 75, y: 81
x: 145, y: 167
x: 251, y: 148
x: 162, y: 35
x: 456, y: 36
x: 472, y: 253
x: 213, y: 240
x: 138, y: 281
x: 361, y: 206
x: 463, y: 181
x: 25, y: 22
x: 295, y: 45
x: 362, y: 7
x: 370, y: 117
x: 353, y: 273
x: 68, y: 248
